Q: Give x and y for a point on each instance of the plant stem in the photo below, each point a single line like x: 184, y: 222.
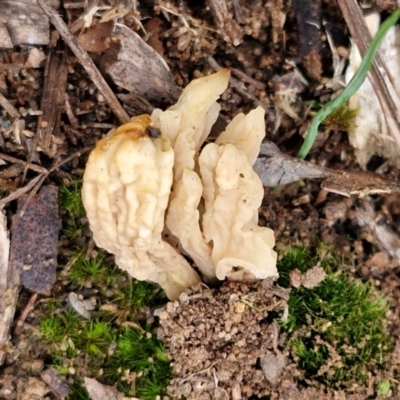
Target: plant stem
x: 352, y: 86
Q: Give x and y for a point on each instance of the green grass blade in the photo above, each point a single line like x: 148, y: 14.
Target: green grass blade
x: 351, y: 88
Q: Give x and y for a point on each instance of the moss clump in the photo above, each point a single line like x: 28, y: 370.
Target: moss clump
x: 337, y: 329
x: 126, y: 355
x: 72, y: 210
x: 117, y: 346
x: 341, y: 119
x: 70, y: 198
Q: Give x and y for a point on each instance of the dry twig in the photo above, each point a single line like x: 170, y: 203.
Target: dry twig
x: 28, y: 165
x: 28, y: 308
x: 19, y: 192
x: 52, y: 102
x: 35, y: 183
x: 85, y: 60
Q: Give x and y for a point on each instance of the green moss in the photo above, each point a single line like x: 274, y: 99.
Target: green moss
x: 52, y: 329
x: 138, y: 294
x: 139, y: 350
x: 117, y: 346
x: 94, y: 270
x: 78, y: 392
x: 337, y: 329
x: 89, y: 347
x: 292, y: 257
x: 70, y: 198
x: 383, y: 388
x: 94, y: 338
x: 342, y: 119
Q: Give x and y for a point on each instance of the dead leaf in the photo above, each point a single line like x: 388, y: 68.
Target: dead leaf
x: 34, y: 240
x: 135, y: 66
x: 275, y: 168
x: 153, y: 29
x: 97, y: 38
x: 78, y: 305
x: 384, y: 236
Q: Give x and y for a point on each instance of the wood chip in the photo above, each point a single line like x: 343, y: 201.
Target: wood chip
x: 219, y: 11
x: 305, y: 199
x: 25, y: 22
x: 34, y: 245
x: 53, y: 98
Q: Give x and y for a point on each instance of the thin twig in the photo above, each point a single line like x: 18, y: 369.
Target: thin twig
x: 70, y: 114
x: 28, y: 308
x: 71, y: 157
x: 34, y: 190
x: 85, y: 60
x: 240, y: 74
x: 199, y: 372
x: 14, y: 160
x: 20, y: 192
x: 36, y: 182
x: 38, y: 185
